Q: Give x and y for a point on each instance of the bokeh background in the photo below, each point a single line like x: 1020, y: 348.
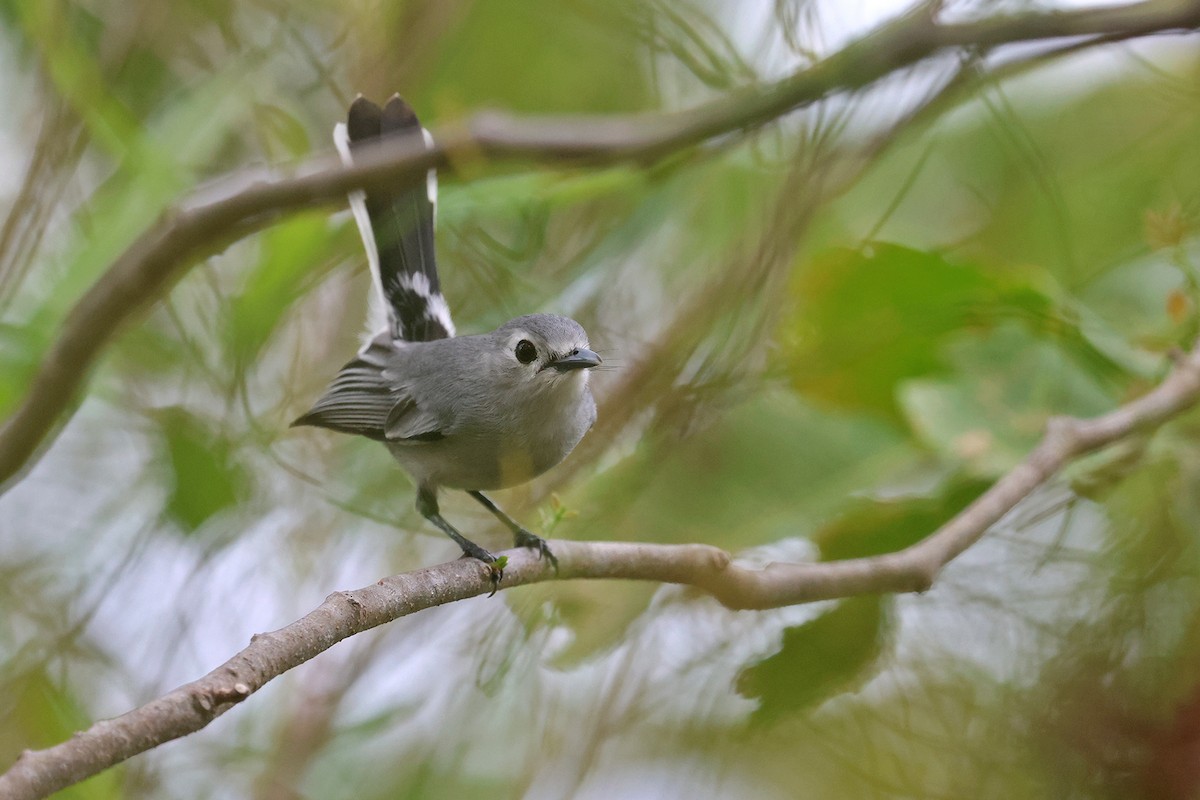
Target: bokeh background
x: 826, y: 337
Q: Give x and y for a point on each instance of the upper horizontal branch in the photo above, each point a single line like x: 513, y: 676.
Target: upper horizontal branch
x: 160, y: 255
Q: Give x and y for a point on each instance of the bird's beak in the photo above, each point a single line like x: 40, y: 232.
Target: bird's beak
x: 576, y: 359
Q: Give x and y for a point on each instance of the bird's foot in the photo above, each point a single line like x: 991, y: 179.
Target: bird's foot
x: 494, y: 565
x: 524, y: 538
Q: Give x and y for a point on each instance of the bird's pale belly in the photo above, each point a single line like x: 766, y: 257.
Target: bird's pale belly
x: 465, y: 463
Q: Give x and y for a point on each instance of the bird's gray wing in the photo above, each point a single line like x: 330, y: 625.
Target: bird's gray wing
x: 364, y: 400
x: 407, y: 423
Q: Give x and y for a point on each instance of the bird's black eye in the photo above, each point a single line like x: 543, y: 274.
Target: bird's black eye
x: 525, y: 351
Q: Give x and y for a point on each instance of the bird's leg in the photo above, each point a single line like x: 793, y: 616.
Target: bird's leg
x: 521, y: 536
x: 428, y: 506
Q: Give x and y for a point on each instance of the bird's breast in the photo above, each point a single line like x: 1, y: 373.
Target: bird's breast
x: 502, y: 447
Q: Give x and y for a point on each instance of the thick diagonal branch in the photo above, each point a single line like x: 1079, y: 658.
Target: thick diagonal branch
x: 145, y: 271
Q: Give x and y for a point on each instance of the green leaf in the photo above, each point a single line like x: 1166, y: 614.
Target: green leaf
x: 873, y: 527
x: 868, y: 320
x: 205, y: 479
x: 917, y: 339
x: 993, y: 409
x: 826, y: 656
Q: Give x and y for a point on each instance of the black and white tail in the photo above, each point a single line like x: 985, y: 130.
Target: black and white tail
x: 397, y: 227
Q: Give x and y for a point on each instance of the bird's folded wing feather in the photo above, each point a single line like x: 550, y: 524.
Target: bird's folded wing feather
x: 364, y: 400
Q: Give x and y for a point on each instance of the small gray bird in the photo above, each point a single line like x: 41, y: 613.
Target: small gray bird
x: 469, y: 412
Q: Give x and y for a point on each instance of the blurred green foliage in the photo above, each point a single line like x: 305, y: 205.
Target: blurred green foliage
x: 204, y: 478
x: 42, y: 713
x: 823, y: 657
x: 867, y: 321
x: 826, y: 337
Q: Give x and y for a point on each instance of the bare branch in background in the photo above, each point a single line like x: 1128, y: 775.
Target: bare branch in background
x: 146, y: 270
x: 343, y: 614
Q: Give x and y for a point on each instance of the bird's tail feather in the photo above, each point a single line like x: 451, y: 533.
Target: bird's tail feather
x: 397, y: 227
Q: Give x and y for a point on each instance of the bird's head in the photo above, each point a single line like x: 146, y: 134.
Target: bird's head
x: 546, y: 349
